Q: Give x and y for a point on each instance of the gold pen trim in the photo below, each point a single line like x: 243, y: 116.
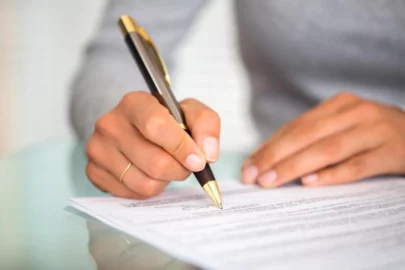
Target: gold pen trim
x: 212, y: 190
x: 128, y: 25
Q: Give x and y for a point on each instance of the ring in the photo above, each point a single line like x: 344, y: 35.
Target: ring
x: 125, y: 171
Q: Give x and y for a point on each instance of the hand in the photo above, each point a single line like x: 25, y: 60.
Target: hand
x: 140, y: 130
x: 344, y: 139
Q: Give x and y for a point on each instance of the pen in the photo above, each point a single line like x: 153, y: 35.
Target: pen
x: 157, y: 78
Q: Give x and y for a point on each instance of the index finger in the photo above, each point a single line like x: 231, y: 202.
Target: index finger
x: 157, y: 125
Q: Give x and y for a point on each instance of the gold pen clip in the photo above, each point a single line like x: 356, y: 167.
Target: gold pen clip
x: 128, y: 25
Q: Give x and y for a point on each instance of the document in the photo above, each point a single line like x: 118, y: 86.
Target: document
x: 353, y: 226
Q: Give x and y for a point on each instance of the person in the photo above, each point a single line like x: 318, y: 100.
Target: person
x: 327, y: 83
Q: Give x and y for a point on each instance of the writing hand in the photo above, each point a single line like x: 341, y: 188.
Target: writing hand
x: 140, y: 130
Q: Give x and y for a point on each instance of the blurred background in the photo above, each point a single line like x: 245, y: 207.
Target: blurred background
x: 42, y: 42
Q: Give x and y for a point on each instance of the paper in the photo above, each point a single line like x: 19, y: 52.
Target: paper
x: 354, y: 226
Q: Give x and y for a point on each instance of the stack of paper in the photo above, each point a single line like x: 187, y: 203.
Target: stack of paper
x: 355, y: 226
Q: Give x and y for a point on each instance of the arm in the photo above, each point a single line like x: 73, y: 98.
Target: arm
x: 108, y: 71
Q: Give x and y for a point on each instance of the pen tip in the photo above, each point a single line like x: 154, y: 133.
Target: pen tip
x: 220, y: 205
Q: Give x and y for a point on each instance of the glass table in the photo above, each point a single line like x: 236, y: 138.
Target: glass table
x: 38, y: 230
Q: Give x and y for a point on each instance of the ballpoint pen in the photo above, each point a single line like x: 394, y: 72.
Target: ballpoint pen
x: 157, y: 78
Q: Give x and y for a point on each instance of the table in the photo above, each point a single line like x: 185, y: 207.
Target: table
x: 38, y: 230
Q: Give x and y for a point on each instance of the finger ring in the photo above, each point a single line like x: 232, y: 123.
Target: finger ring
x: 125, y: 171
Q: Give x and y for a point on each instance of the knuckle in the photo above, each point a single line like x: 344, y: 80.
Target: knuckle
x: 92, y: 173
x: 312, y: 131
x: 128, y: 99
x: 131, y: 98
x: 96, y: 177
x: 159, y: 165
x: 305, y: 132
x: 92, y: 149
x: 317, y: 125
x: 346, y: 96
x: 369, y: 110
x: 155, y: 125
x: 106, y: 125
x: 208, y: 115
x: 189, y: 101
x: 102, y: 124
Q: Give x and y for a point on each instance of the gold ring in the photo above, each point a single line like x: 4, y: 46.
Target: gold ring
x: 125, y: 171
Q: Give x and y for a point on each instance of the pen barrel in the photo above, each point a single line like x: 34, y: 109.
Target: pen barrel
x: 129, y: 40
x: 153, y: 77
x: 161, y: 90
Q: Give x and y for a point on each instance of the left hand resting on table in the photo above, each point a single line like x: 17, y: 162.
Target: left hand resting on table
x: 344, y: 139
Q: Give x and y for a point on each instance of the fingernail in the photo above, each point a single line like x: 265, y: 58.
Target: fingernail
x: 310, y: 178
x: 249, y: 175
x: 211, y: 146
x: 267, y: 179
x: 195, y: 163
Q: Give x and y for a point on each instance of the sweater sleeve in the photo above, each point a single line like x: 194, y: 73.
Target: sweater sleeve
x: 108, y: 71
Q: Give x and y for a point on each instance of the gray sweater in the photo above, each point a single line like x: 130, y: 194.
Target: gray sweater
x: 296, y: 53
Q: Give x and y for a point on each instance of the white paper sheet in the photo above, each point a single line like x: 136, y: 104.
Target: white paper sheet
x: 354, y: 226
